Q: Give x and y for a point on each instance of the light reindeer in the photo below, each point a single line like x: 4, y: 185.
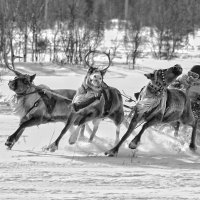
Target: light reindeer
x: 101, y: 101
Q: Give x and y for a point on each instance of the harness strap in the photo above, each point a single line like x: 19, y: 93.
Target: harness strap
x: 25, y: 94
x: 108, y: 101
x: 44, y: 90
x: 78, y: 106
x: 34, y: 106
x: 49, y: 102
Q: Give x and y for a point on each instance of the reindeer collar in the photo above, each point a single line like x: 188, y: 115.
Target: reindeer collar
x: 25, y: 94
x: 157, y: 90
x: 162, y: 77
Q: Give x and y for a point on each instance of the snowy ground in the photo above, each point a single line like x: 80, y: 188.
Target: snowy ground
x: 162, y: 168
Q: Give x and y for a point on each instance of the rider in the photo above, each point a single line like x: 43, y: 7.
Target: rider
x: 194, y: 92
x: 190, y: 83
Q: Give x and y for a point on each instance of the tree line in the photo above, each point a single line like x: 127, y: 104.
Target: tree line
x: 79, y: 25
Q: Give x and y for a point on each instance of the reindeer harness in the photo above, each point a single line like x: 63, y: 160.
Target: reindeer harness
x: 157, y: 88
x: 104, y: 91
x: 48, y: 101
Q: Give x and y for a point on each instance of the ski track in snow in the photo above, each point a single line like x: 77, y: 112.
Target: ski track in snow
x: 162, y: 168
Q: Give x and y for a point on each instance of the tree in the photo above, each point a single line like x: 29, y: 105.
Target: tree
x: 133, y: 29
x: 171, y: 24
x: 9, y: 12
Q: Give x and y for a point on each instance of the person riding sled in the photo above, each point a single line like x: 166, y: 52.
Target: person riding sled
x: 190, y: 82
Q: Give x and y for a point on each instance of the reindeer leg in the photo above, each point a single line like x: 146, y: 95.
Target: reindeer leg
x: 95, y: 128
x: 74, y: 135
x: 12, y: 139
x: 54, y: 146
x: 134, y: 143
x: 117, y: 134
x: 89, y: 130
x: 176, y: 126
x: 82, y: 130
x: 16, y: 135
x: 192, y: 145
x: 113, y: 152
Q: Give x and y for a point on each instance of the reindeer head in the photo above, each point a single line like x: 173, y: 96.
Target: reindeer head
x: 21, y: 83
x: 164, y: 77
x: 95, y: 75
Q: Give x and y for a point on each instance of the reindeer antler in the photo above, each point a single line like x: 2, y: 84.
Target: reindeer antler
x: 109, y: 60
x: 6, y: 62
x: 8, y: 66
x: 86, y: 58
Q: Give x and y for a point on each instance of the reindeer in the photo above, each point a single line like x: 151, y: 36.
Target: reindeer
x: 159, y: 104
x: 183, y: 82
x: 102, y: 101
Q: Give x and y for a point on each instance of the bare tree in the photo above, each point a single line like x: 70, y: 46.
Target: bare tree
x: 171, y: 25
x: 37, y: 13
x: 133, y: 29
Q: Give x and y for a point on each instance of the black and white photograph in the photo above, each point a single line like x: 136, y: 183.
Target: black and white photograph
x: 99, y: 99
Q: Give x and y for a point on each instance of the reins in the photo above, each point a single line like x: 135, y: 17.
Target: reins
x: 48, y: 91
x: 26, y: 94
x: 129, y: 99
x: 38, y: 89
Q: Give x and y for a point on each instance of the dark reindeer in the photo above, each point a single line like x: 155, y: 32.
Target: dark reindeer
x: 34, y: 106
x: 184, y: 83
x: 105, y: 102
x: 158, y: 104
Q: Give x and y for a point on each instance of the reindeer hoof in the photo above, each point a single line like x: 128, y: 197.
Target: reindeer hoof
x: 132, y: 145
x: 9, y: 147
x: 193, y: 147
x: 72, y: 142
x: 52, y: 148
x: 90, y: 140
x: 73, y: 138
x: 175, y: 134
x: 9, y: 144
x: 111, y: 153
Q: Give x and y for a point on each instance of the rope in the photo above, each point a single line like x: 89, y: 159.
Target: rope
x: 139, y: 124
x: 50, y: 92
x: 128, y: 97
x: 130, y: 107
x: 45, y: 91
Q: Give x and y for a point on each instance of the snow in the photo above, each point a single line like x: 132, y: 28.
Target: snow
x: 162, y: 167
